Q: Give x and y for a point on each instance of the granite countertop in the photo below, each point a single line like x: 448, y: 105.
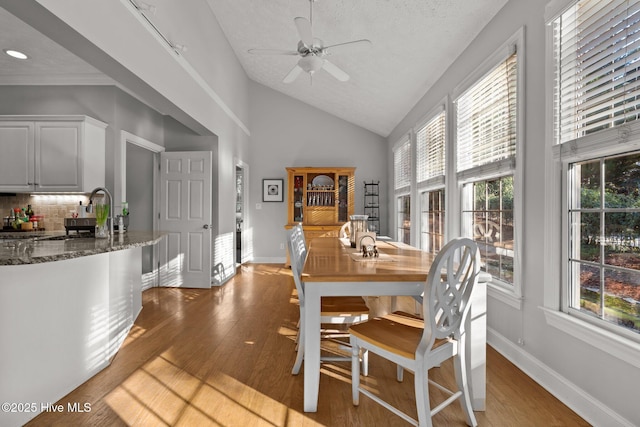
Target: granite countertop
x: 10, y: 234
x: 48, y: 247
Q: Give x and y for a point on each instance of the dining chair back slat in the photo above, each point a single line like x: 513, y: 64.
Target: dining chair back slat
x: 439, y: 337
x: 333, y: 310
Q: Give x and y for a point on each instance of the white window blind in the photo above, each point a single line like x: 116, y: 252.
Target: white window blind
x: 597, y: 53
x: 486, y: 118
x: 430, y: 140
x: 402, y: 165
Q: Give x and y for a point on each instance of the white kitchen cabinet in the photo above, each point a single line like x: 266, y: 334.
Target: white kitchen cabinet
x: 51, y: 153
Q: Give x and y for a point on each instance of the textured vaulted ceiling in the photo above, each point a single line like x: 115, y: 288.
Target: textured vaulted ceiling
x: 414, y: 42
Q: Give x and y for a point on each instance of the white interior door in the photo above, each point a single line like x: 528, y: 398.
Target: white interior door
x: 185, y: 214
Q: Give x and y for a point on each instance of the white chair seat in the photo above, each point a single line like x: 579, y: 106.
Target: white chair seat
x: 333, y: 310
x: 418, y: 345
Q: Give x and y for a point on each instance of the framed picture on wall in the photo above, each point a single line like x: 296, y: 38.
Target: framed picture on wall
x: 272, y: 190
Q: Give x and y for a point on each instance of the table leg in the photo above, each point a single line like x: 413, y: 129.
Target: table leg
x: 311, y: 349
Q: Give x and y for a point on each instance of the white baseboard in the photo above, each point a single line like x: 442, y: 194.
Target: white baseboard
x: 581, y: 402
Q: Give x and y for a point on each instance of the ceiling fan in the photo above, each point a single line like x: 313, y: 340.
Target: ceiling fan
x: 312, y: 51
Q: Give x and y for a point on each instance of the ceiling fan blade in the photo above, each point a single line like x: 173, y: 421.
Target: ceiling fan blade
x: 304, y: 30
x: 293, y: 74
x: 335, y: 71
x: 272, y: 52
x: 354, y: 45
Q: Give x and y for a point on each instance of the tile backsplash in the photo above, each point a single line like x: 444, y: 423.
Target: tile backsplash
x: 54, y: 207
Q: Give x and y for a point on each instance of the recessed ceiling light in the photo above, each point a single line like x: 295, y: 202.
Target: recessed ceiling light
x: 15, y: 54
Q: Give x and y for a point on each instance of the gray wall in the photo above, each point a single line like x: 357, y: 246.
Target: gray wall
x: 122, y: 112
x: 140, y: 196
x: 106, y: 103
x: 597, y: 384
x: 286, y: 132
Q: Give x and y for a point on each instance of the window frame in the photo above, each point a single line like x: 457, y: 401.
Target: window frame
x: 559, y: 157
x: 398, y: 227
x: 438, y: 182
x: 404, y: 190
x: 467, y: 205
x: 568, y: 298
x: 421, y: 192
x: 511, y: 295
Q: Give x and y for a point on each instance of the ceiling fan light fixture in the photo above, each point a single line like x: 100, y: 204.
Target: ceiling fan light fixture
x: 310, y: 63
x: 15, y: 54
x: 312, y: 51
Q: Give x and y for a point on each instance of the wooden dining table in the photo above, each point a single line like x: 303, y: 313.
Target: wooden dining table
x: 333, y: 268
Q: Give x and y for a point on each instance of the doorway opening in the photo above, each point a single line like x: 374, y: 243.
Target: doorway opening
x: 239, y: 212
x: 243, y: 239
x: 140, y: 189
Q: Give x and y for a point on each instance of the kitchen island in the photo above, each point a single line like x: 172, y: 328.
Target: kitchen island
x: 66, y: 305
x: 38, y: 247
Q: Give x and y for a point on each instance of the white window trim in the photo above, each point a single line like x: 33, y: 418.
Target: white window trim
x: 497, y: 289
x: 564, y: 156
x: 613, y: 344
x: 407, y: 189
x: 555, y: 8
x: 591, y: 146
x: 511, y: 295
x: 438, y: 182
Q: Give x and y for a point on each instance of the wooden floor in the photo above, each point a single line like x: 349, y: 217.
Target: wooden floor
x: 223, y: 357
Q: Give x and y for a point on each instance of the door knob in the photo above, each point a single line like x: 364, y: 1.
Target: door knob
x: 206, y: 226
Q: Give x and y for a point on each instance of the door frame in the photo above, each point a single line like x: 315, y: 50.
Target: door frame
x: 245, y: 229
x: 126, y: 137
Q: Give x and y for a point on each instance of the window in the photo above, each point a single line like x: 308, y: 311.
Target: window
x: 402, y: 165
x: 432, y: 220
x: 402, y: 185
x: 430, y: 171
x: 604, y: 226
x: 486, y: 118
x: 596, y: 54
x: 596, y: 95
x: 430, y: 142
x: 403, y: 209
x: 486, y: 136
x: 488, y: 209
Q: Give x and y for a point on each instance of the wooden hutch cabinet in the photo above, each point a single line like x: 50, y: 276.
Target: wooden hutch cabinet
x: 320, y: 198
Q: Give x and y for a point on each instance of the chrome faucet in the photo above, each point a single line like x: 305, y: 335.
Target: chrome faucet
x: 106, y: 192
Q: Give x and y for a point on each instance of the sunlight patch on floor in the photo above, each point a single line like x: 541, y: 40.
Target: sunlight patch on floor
x: 161, y: 393
x: 171, y: 272
x: 134, y: 333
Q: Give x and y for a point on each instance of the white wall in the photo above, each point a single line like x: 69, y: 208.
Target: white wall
x: 286, y: 132
x: 600, y: 387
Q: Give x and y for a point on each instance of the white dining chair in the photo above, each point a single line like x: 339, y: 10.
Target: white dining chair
x: 417, y: 345
x: 333, y: 310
